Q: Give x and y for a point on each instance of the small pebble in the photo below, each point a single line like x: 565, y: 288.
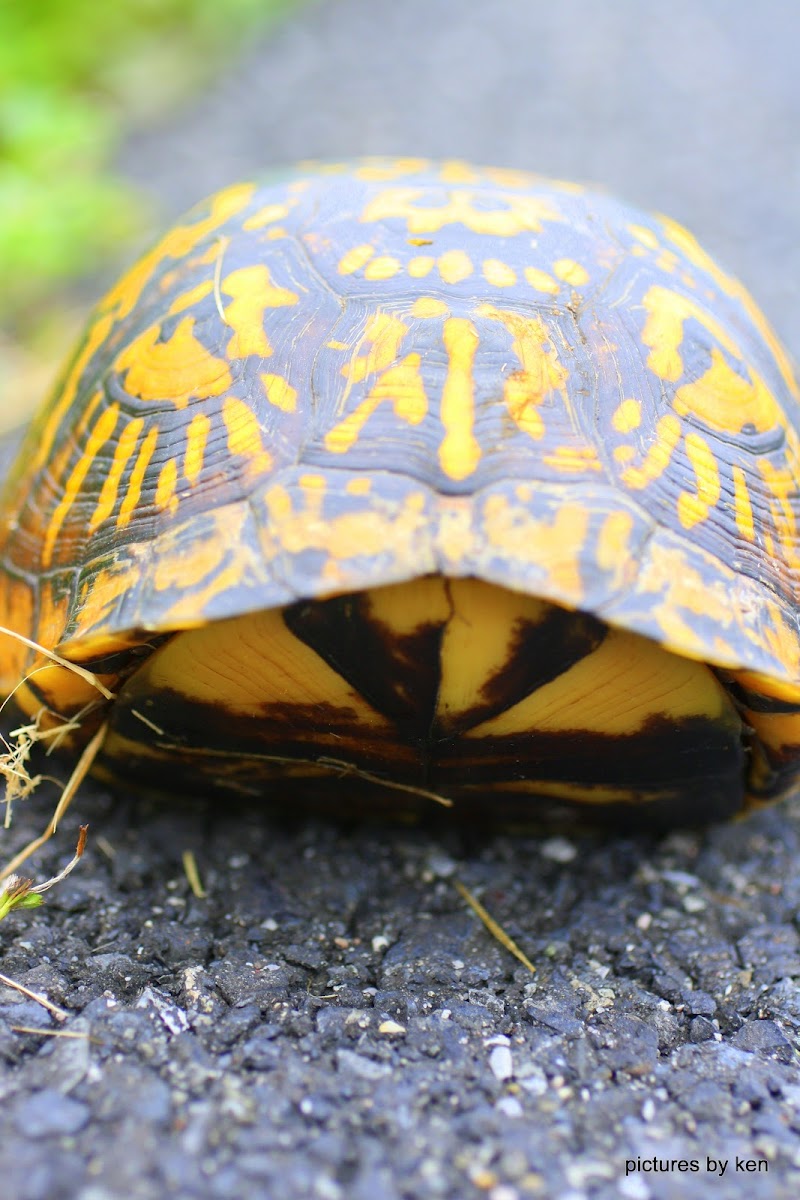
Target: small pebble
x: 501, y: 1063
x: 510, y: 1106
x: 391, y: 1028
x: 558, y: 849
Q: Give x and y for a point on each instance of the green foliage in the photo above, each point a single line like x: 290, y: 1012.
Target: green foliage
x: 75, y: 75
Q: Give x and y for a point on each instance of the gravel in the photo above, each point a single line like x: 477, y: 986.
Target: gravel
x: 331, y: 1021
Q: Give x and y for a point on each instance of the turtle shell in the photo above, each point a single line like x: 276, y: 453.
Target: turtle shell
x: 359, y: 375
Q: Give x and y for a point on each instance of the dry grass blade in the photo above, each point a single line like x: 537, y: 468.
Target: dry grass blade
x: 193, y: 875
x: 76, y: 1034
x: 20, y: 893
x: 223, y: 246
x: 494, y: 928
x: 89, y: 676
x: 346, y: 768
x: 73, y: 783
x: 53, y: 1009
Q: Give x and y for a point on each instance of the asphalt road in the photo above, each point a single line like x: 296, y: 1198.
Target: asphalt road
x: 331, y: 1022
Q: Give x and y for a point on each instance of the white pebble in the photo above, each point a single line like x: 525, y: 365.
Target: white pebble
x: 509, y: 1106
x: 558, y: 849
x: 501, y: 1063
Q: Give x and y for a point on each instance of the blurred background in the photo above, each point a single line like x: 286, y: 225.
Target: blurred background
x: 114, y: 118
x: 666, y: 969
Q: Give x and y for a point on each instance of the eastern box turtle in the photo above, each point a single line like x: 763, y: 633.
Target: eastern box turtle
x: 462, y: 482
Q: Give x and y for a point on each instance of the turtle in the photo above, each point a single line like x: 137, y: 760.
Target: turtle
x: 418, y: 481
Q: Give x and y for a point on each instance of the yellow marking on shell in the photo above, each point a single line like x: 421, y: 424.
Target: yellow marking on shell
x: 692, y: 509
x: 510, y: 177
x: 193, y: 296
x: 176, y: 244
x: 780, y: 634
x: 253, y: 294
x: 401, y: 384
x: 267, y: 215
x: 627, y: 416
x: 782, y: 487
x: 334, y: 345
x: 455, y: 534
x: 383, y: 267
x: 195, y: 452
x: 95, y: 337
x: 359, y: 487
x: 666, y: 572
x: 102, y: 431
x: 17, y: 612
x: 401, y: 526
x: 280, y: 392
x: 644, y: 235
x: 721, y: 398
x: 613, y: 541
x: 513, y: 215
x: 554, y: 548
x: 381, y: 172
x: 420, y: 266
x: 355, y: 258
x: 276, y: 233
x: 197, y: 570
x: 689, y: 246
x: 498, y: 274
x: 166, y: 498
x: 573, y: 459
x: 177, y: 370
x: 659, y: 453
x: 460, y: 451
x: 724, y: 401
x: 244, y: 434
x: 454, y: 266
x: 663, y: 331
x: 742, y: 507
x: 541, y: 281
x: 667, y: 261
x: 312, y: 483
x: 123, y: 452
x: 624, y: 454
x: 571, y: 272
x: 384, y: 334
x: 540, y: 373
x: 130, y: 501
x: 455, y: 171
x: 205, y: 258
x: 429, y: 306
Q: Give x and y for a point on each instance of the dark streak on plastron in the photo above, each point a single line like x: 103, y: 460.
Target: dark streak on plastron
x: 668, y: 769
x: 695, y: 763
x: 539, y: 653
x: 398, y: 674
